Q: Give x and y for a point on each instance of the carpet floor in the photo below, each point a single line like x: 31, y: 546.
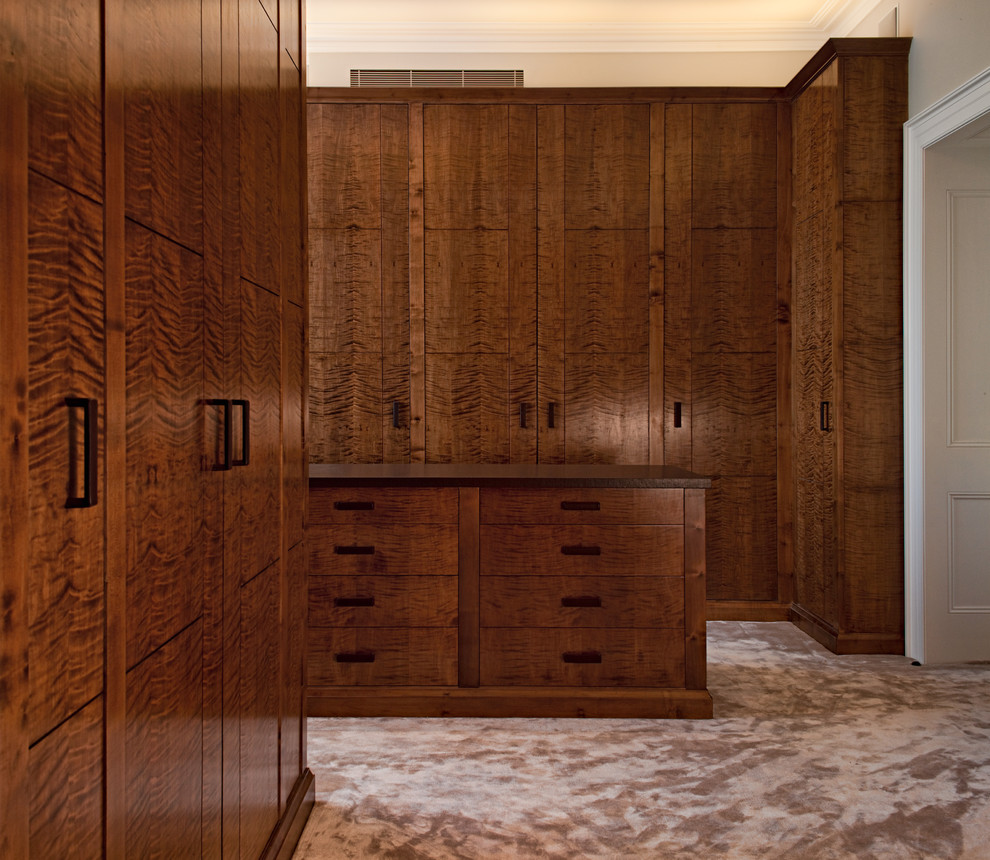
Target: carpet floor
x: 810, y: 756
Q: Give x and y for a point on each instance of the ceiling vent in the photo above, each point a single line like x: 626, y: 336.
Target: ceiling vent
x: 436, y: 78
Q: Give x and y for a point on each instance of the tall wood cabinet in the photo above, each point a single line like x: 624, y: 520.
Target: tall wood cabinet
x: 152, y: 326
x: 848, y: 527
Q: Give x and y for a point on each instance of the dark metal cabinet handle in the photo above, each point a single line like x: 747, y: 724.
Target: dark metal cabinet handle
x: 90, y: 473
x: 395, y: 413
x: 353, y: 506
x: 551, y: 406
x: 580, y: 506
x: 354, y: 601
x: 677, y: 413
x: 224, y: 464
x: 355, y: 657
x: 581, y: 600
x: 582, y: 656
x: 354, y: 550
x: 581, y: 550
x: 824, y: 421
x: 522, y: 415
x: 245, y: 432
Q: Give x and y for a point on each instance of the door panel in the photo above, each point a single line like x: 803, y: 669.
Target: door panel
x: 345, y: 408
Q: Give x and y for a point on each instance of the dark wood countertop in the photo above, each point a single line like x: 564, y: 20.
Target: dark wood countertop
x: 518, y: 475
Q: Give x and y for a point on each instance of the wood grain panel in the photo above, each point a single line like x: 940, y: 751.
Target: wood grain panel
x: 629, y: 658
x: 623, y: 601
x: 403, y: 656
x: 607, y: 166
x: 395, y: 231
x: 398, y: 601
x: 396, y: 390
x: 65, y: 597
x: 417, y: 295
x: 260, y: 490
x: 466, y: 166
x: 64, y: 93
x: 345, y: 290
x: 809, y: 262
x: 388, y: 505
x: 66, y: 778
x: 873, y: 115
x: 468, y: 586
x: 294, y: 466
x: 742, y: 539
x: 166, y: 514
x: 695, y: 614
x: 345, y: 408
x: 292, y: 158
x: 164, y: 743
x: 290, y: 29
x: 292, y: 716
x: 807, y: 152
x: 608, y: 402
x: 258, y: 70
x: 344, y: 166
x: 609, y: 506
x: 163, y: 120
x: 677, y: 273
x: 734, y: 290
x: 397, y: 550
x: 734, y: 165
x: 621, y: 550
x: 813, y: 584
x: 467, y: 291
x: 735, y: 413
x: 656, y: 282
x: 550, y: 283
x: 468, y: 417
x: 607, y: 291
x: 259, y: 711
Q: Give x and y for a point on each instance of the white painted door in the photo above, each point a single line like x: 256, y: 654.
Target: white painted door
x: 957, y: 398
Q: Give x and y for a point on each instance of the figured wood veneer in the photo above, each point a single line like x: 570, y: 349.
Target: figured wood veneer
x: 397, y: 550
x: 388, y: 601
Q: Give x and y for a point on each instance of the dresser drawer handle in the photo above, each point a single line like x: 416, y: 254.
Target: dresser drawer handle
x: 580, y: 506
x: 354, y: 601
x: 353, y: 506
x: 354, y: 550
x: 582, y: 656
x: 581, y: 600
x: 355, y: 657
x: 581, y: 550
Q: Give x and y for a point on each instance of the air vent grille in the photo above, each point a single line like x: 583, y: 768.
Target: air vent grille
x: 436, y: 78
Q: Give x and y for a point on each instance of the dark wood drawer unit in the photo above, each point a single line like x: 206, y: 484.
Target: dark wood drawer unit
x: 507, y: 591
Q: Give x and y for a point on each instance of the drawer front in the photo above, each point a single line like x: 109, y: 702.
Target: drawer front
x: 382, y: 601
x: 398, y: 550
x: 582, y: 601
x: 583, y: 505
x: 381, y: 506
x: 582, y: 550
x: 582, y: 658
x: 382, y: 656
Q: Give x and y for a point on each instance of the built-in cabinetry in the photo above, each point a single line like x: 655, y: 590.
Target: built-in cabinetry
x: 507, y: 590
x: 152, y: 325
x: 846, y: 320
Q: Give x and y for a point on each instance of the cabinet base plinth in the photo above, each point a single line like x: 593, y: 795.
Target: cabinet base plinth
x: 609, y: 702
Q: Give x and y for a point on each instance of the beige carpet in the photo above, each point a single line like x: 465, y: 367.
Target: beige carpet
x: 809, y: 756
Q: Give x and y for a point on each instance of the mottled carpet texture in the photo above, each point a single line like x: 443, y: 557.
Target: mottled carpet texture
x: 810, y: 755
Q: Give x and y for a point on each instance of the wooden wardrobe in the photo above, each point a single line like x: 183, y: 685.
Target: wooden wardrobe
x: 152, y: 331
x: 606, y: 276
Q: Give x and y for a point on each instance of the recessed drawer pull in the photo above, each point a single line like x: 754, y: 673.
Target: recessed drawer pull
x: 355, y: 657
x: 580, y: 506
x: 354, y: 601
x: 353, y: 506
x: 581, y: 550
x: 582, y: 656
x: 581, y: 600
x: 354, y: 550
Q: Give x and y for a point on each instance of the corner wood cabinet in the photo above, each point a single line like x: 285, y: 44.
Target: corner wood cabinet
x: 507, y: 591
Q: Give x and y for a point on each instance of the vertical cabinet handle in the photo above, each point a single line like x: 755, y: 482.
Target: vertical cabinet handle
x: 90, y: 466
x: 677, y: 413
x: 551, y: 407
x: 522, y: 415
x: 395, y: 414
x: 824, y: 421
x: 224, y: 464
x: 245, y: 458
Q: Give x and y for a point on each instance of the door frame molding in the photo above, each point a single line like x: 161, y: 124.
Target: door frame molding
x: 949, y: 114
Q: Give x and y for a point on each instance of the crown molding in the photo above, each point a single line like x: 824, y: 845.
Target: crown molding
x: 838, y: 18
x: 455, y: 38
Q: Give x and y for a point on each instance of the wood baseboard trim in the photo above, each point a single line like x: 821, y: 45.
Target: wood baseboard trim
x: 290, y: 827
x: 747, y: 610
x: 508, y: 702
x: 845, y: 643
